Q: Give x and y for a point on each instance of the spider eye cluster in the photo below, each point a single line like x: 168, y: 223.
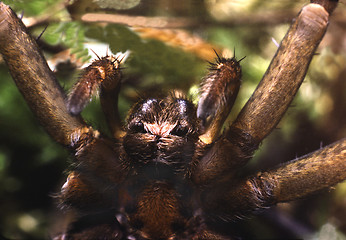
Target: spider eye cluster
x: 162, y: 130
x: 180, y: 130
x: 137, y: 127
x: 166, y: 116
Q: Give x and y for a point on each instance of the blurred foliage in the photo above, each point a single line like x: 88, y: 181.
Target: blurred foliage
x: 32, y: 166
x: 70, y: 34
x: 32, y: 7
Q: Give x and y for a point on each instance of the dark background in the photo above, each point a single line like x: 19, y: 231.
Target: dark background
x: 32, y: 166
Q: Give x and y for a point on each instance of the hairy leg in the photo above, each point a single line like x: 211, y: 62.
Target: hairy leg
x: 36, y: 81
x: 269, y: 102
x: 292, y: 180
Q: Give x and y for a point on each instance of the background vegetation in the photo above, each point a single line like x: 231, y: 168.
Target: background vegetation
x: 32, y: 167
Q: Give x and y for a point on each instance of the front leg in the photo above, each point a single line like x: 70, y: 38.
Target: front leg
x: 272, y: 97
x: 97, y: 160
x: 36, y: 81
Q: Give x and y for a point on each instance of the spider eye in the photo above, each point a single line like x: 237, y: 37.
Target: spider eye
x: 137, y: 127
x: 180, y: 131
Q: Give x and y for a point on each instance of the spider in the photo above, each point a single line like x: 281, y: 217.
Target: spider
x: 170, y: 171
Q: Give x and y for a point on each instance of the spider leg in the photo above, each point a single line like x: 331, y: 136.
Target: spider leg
x: 284, y: 76
x: 82, y: 192
x: 36, y: 81
x: 94, y: 188
x: 292, y: 180
x: 217, y: 95
x: 103, y: 74
x: 270, y: 100
x: 47, y: 100
x: 109, y: 103
x: 93, y: 184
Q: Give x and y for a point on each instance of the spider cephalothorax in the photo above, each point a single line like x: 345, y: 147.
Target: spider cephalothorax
x: 170, y: 170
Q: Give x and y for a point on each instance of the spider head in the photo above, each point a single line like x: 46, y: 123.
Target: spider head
x: 161, y: 132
